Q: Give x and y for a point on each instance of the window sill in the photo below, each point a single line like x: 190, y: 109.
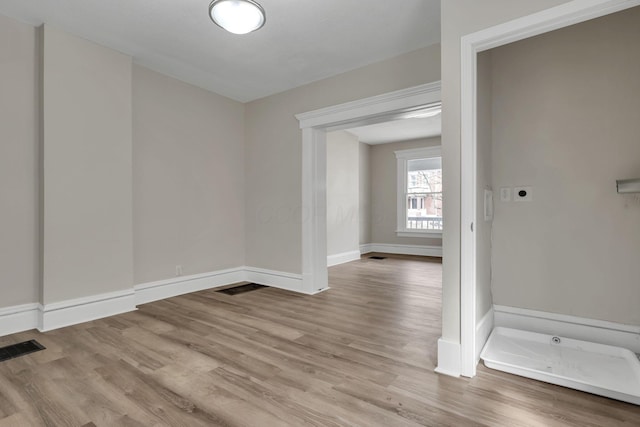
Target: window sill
x: 431, y: 234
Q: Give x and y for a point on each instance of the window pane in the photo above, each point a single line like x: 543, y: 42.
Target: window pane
x: 424, y: 211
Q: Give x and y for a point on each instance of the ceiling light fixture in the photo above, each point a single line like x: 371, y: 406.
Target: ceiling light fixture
x: 237, y: 16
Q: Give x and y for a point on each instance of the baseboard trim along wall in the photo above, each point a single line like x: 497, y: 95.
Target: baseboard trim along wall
x: 275, y: 279
x: 483, y: 330
x: 162, y: 289
x: 45, y: 318
x: 434, y: 251
x: 342, y: 258
x: 448, y: 358
x: 598, y: 331
x: 72, y: 312
x: 19, y: 318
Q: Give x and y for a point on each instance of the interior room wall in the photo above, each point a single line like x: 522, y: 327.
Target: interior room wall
x: 188, y: 181
x: 384, y: 188
x: 19, y: 169
x: 484, y: 300
x: 565, y: 121
x: 364, y: 167
x: 274, y: 152
x: 459, y: 18
x: 343, y: 193
x: 87, y: 198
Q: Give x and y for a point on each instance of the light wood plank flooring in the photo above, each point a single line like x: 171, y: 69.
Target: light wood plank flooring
x: 361, y: 354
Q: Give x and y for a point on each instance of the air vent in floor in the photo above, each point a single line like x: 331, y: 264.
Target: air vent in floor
x: 241, y: 289
x: 377, y: 257
x: 16, y: 350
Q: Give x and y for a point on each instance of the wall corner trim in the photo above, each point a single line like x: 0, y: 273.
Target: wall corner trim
x: 448, y: 358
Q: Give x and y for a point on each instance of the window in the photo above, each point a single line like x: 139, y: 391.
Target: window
x: 419, y: 192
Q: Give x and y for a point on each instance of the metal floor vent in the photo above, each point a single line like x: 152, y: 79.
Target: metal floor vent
x: 16, y: 350
x: 377, y: 257
x: 241, y: 289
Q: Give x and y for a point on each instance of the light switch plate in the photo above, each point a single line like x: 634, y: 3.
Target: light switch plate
x: 505, y: 194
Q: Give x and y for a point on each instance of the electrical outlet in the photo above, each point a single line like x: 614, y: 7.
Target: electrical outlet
x: 178, y: 270
x: 522, y: 194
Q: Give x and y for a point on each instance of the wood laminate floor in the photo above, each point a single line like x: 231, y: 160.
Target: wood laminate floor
x: 360, y: 354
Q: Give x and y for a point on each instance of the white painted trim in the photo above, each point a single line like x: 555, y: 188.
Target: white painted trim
x: 278, y: 279
x: 18, y: 318
x: 403, y: 100
x: 547, y: 20
x: 483, y: 330
x: 342, y: 258
x: 161, y: 289
x: 314, y: 125
x: 579, y: 328
x: 71, y: 312
x: 448, y: 358
x: 386, y: 248
x: 434, y: 234
x: 366, y: 248
x: 402, y: 167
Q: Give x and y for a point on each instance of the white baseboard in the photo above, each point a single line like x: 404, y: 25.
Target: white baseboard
x: 161, y: 289
x: 483, y: 330
x: 72, y: 312
x: 448, y: 358
x: 342, y: 258
x: 598, y: 331
x: 18, y: 318
x: 386, y: 248
x: 276, y: 279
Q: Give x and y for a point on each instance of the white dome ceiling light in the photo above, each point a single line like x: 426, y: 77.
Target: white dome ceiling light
x: 237, y: 16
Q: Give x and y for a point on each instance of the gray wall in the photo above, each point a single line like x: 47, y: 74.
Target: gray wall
x: 566, y: 120
x: 87, y: 212
x: 188, y: 182
x: 274, y: 152
x: 384, y: 188
x: 19, y: 199
x: 484, y: 300
x: 364, y: 167
x: 343, y: 193
x: 458, y: 18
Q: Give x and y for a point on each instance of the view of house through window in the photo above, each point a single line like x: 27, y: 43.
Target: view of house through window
x: 424, y: 194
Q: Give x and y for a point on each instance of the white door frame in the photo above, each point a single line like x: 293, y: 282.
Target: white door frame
x: 561, y: 16
x: 315, y: 124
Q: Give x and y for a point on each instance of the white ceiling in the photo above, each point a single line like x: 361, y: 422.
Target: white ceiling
x: 302, y: 41
x: 399, y: 130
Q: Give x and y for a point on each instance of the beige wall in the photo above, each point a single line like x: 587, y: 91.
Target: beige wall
x: 567, y: 122
x: 364, y: 168
x: 87, y: 213
x: 343, y: 193
x: 461, y: 17
x: 273, y: 153
x: 384, y: 189
x: 484, y: 300
x: 188, y: 182
x: 19, y: 140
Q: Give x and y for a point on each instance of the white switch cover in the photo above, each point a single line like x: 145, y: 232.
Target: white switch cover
x: 522, y: 194
x: 505, y: 194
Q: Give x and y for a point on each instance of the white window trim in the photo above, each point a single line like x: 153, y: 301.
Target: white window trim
x: 402, y: 158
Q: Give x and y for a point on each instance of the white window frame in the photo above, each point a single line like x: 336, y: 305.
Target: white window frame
x: 402, y: 159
